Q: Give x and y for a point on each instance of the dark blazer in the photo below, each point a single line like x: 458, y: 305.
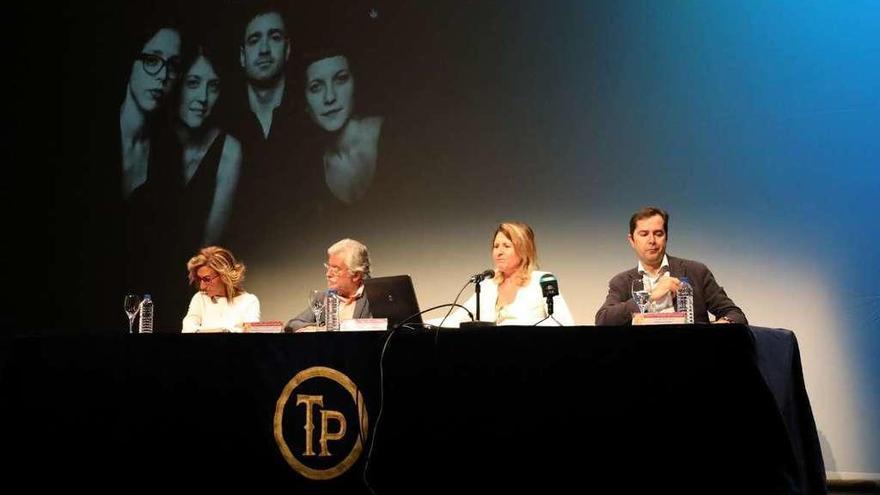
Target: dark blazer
x: 307, y: 317
x: 709, y: 297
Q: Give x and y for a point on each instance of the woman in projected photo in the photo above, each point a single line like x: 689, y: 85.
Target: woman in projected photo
x: 351, y: 141
x: 154, y: 72
x: 212, y: 159
x: 514, y: 295
x: 221, y: 304
x: 150, y: 167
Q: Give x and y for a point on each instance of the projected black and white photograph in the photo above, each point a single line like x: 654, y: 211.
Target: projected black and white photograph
x: 250, y: 124
x: 640, y: 199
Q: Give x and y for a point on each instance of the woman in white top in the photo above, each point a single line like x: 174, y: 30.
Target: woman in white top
x: 514, y: 296
x: 221, y: 305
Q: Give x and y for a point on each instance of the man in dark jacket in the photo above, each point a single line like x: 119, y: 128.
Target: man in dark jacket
x: 662, y: 274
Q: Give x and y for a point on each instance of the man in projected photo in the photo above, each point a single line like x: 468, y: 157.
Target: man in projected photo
x: 269, y: 126
x: 348, y: 265
x: 648, y: 229
x: 264, y: 52
x: 350, y: 141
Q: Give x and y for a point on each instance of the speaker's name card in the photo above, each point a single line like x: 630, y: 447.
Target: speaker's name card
x: 659, y: 318
x: 274, y: 326
x: 359, y: 324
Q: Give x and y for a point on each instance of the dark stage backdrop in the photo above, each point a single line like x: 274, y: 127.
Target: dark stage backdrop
x: 416, y: 127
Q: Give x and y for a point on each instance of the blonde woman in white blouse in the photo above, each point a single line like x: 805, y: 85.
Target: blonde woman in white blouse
x: 514, y: 296
x: 221, y: 304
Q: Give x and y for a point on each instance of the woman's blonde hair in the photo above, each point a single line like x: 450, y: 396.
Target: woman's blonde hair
x: 222, y: 261
x: 523, y: 239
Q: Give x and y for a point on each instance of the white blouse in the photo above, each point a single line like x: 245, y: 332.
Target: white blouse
x: 527, y: 308
x: 218, y: 314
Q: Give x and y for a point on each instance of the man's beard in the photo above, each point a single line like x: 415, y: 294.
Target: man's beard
x: 268, y: 81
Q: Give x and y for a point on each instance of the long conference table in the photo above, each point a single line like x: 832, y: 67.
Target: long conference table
x: 692, y: 409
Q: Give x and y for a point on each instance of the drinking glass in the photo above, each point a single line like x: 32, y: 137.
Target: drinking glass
x: 317, y: 298
x: 131, y: 305
x: 641, y: 294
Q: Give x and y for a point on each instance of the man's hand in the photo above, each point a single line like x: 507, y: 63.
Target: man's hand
x: 665, y: 286
x: 723, y: 319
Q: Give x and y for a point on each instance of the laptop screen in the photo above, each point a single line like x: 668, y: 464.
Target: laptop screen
x: 393, y: 298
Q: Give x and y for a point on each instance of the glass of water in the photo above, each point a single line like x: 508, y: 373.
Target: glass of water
x: 641, y: 294
x: 131, y: 304
x: 317, y: 298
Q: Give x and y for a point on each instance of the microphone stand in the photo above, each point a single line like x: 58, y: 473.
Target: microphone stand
x: 476, y: 323
x: 477, y: 292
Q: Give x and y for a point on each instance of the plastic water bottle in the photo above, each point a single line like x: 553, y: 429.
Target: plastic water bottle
x: 685, y: 299
x: 331, y: 309
x: 147, y: 308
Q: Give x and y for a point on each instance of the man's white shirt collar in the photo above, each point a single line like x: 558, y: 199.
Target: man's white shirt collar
x: 664, y: 264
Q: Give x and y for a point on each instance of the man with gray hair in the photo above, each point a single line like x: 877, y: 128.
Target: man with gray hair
x: 348, y: 265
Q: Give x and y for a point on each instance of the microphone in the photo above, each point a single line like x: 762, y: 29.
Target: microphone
x: 550, y: 288
x: 483, y: 274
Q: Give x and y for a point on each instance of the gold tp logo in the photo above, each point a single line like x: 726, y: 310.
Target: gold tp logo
x: 326, y: 447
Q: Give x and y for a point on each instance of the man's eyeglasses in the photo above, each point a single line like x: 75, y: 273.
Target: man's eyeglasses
x: 333, y: 270
x: 153, y: 65
x: 207, y: 279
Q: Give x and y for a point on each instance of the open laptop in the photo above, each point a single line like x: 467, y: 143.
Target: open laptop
x: 393, y: 298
